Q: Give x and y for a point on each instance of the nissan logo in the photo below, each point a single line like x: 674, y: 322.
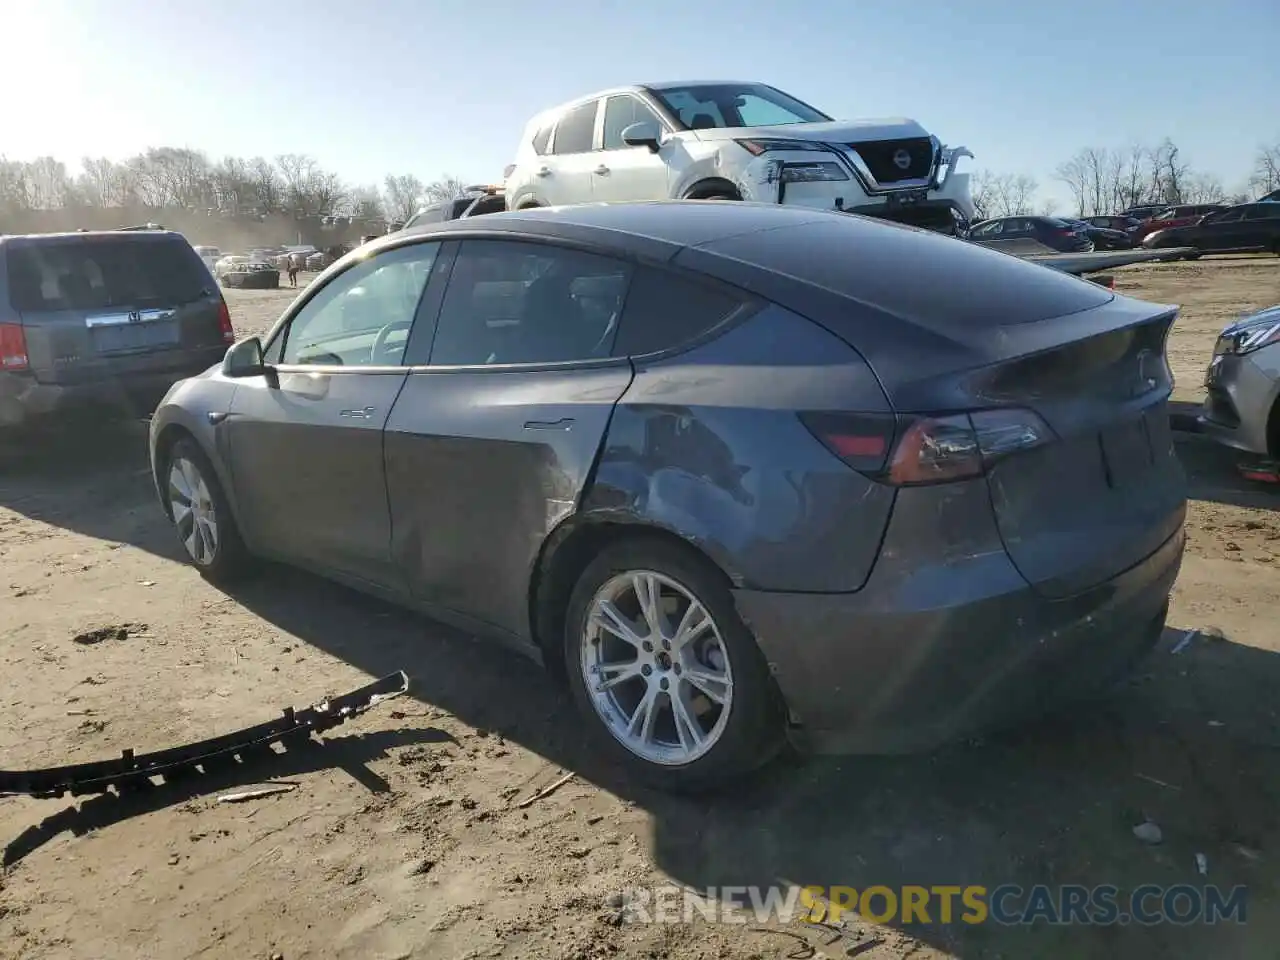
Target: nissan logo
x: 902, y: 159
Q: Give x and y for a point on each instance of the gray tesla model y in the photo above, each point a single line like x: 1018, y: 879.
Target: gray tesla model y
x: 734, y: 471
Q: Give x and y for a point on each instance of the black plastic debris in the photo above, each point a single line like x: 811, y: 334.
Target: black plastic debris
x: 131, y: 769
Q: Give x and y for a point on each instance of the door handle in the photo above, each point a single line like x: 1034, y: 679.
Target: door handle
x: 544, y: 172
x: 602, y: 170
x: 564, y: 423
x: 365, y: 413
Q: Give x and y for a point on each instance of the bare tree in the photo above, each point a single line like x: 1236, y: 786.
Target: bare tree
x: 266, y: 185
x: 1203, y: 188
x: 362, y: 203
x: 1266, y: 170
x: 402, y: 196
x: 102, y: 183
x: 309, y: 190
x: 48, y: 185
x: 447, y: 187
x: 1169, y: 173
x: 14, y: 193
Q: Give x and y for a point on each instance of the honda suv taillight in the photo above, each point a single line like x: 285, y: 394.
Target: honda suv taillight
x: 224, y: 322
x: 918, y: 450
x: 13, y: 347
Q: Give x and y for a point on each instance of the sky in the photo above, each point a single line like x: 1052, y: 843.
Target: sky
x: 445, y: 87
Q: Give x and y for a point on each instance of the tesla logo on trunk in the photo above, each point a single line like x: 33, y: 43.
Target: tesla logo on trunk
x: 902, y: 159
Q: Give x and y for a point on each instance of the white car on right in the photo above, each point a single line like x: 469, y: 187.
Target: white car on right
x: 736, y: 140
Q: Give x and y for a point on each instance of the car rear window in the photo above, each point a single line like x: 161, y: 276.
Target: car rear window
x: 938, y: 282
x: 90, y: 274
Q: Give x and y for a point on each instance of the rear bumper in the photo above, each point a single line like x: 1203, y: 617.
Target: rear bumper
x: 24, y: 399
x: 892, y: 671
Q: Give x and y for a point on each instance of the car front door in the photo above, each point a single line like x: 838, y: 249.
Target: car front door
x: 625, y: 172
x: 1221, y: 231
x: 489, y: 447
x: 305, y: 441
x: 567, y: 175
x: 1261, y: 227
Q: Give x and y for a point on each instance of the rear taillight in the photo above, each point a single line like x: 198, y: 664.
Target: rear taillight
x: 13, y: 347
x: 224, y: 322
x: 915, y: 450
x: 1104, y: 281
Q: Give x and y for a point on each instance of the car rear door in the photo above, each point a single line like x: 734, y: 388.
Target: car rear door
x: 567, y: 175
x: 99, y: 306
x: 305, y: 441
x: 490, y: 446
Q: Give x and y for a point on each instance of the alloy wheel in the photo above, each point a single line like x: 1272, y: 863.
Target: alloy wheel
x: 656, y: 668
x: 194, y: 513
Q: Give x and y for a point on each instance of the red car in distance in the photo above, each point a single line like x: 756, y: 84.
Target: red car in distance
x: 1179, y: 216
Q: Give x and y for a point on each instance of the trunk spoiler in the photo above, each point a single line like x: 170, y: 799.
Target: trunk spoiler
x: 98, y: 776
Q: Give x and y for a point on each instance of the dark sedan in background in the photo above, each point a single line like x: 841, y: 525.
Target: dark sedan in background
x: 251, y: 275
x: 1250, y: 227
x: 1119, y: 222
x: 1103, y: 238
x: 731, y: 470
x: 1052, y: 232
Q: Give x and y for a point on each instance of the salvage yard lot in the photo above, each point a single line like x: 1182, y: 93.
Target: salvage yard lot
x: 404, y: 837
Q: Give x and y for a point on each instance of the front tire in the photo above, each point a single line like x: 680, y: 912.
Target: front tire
x: 200, y: 513
x: 670, y: 680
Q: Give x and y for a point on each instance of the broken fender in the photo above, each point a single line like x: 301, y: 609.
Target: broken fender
x: 99, y: 776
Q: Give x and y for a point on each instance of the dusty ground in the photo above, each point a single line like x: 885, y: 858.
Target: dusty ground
x: 403, y: 837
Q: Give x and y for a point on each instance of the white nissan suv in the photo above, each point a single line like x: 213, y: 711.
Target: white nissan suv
x: 736, y: 141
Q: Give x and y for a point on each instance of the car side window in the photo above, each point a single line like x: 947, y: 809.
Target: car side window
x: 1228, y: 216
x: 541, y: 138
x: 621, y: 112
x: 522, y: 302
x: 665, y: 310
x: 1258, y: 212
x: 362, y: 317
x: 992, y: 229
x: 575, y: 133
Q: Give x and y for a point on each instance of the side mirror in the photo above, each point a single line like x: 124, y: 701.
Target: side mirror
x: 244, y: 359
x: 642, y: 134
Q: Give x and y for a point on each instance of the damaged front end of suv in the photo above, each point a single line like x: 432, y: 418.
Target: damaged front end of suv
x: 910, y: 179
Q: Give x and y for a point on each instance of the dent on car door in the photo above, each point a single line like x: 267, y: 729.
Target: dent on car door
x: 306, y: 444
x: 489, y: 447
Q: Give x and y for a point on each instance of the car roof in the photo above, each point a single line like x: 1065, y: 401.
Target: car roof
x: 126, y: 236
x: 652, y: 228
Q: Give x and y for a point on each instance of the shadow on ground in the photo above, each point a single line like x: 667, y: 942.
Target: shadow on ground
x: 1192, y: 743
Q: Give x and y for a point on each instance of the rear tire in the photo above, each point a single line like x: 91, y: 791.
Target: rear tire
x: 200, y: 513
x: 1194, y: 255
x: 713, y: 713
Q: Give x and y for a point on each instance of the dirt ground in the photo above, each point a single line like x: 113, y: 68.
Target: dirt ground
x: 404, y: 836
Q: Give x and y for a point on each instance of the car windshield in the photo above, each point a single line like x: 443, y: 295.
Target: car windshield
x: 714, y: 105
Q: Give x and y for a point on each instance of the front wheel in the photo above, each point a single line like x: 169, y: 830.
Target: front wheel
x: 670, y: 679
x: 200, y: 513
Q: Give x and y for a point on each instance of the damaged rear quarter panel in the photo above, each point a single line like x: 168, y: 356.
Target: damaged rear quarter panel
x: 707, y: 444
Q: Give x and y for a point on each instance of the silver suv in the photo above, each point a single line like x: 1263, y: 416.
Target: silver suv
x: 103, y: 320
x: 732, y: 140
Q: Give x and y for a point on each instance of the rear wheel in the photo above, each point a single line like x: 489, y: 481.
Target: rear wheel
x: 669, y: 678
x: 1193, y: 255
x: 200, y: 513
